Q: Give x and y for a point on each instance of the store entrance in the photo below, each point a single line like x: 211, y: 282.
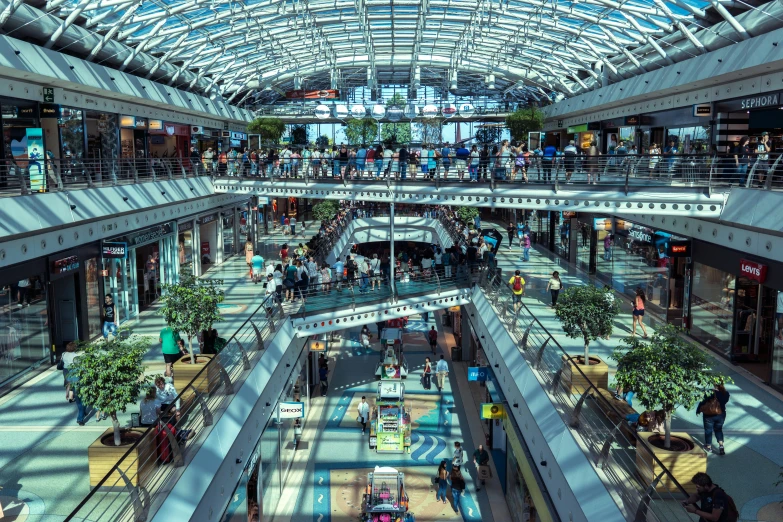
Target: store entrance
x: 147, y: 274
x: 67, y: 310
x: 754, y: 311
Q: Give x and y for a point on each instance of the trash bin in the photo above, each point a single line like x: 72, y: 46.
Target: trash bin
x: 456, y: 354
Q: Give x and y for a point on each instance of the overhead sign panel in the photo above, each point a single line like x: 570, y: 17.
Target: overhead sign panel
x: 301, y: 94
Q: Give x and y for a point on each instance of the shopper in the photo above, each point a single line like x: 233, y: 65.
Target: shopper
x: 375, y: 271
x: 442, y: 369
x: 365, y: 337
x: 169, y: 343
x: 427, y: 374
x: 364, y: 413
x: 459, y: 455
x: 432, y: 337
x: 339, y: 270
x: 638, y: 312
x: 512, y: 231
x: 166, y: 395
x: 517, y: 283
x: 457, y: 487
x: 554, y: 286
x: 526, y: 244
x: 109, y: 317
x: 480, y: 459
x: 443, y: 483
x: 713, y: 409
x: 713, y: 501
x: 249, y: 255
x: 148, y: 408
x: 277, y: 275
x: 323, y: 373
x: 66, y: 360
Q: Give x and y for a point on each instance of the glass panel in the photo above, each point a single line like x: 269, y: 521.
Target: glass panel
x: 228, y: 236
x: 71, y: 125
x: 94, y: 301
x: 712, y: 307
x: 185, y: 252
x: 777, y: 353
x: 270, y: 463
x: 24, y: 334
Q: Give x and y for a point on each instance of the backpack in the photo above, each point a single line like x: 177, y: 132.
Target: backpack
x: 731, y: 511
x: 517, y: 284
x: 520, y: 160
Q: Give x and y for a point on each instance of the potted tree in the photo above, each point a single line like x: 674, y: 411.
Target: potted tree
x: 190, y: 307
x: 666, y: 372
x: 587, y: 313
x: 107, y: 377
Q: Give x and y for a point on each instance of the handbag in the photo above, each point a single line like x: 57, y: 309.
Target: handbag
x: 60, y: 364
x: 712, y: 407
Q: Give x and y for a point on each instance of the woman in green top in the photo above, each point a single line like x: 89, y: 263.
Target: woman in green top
x: 169, y: 341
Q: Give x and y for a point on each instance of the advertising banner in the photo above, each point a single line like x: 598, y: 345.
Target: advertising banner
x: 492, y: 410
x: 35, y: 155
x: 290, y: 410
x: 478, y: 373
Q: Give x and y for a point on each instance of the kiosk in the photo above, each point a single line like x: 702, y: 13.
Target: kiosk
x: 390, y: 424
x: 392, y: 364
x: 385, y: 499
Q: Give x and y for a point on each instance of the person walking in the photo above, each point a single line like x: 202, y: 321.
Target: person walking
x: 432, y: 337
x: 109, y: 318
x: 323, y: 373
x: 169, y: 343
x: 339, y: 270
x: 480, y: 459
x: 713, y: 501
x: 443, y: 482
x: 554, y: 286
x: 517, y: 283
x: 442, y: 369
x: 459, y: 455
x: 512, y: 231
x: 457, y: 487
x: 713, y: 409
x: 249, y: 256
x: 364, y: 413
x: 526, y: 244
x: 427, y: 375
x: 375, y: 271
x: 66, y: 360
x: 380, y: 325
x: 638, y: 312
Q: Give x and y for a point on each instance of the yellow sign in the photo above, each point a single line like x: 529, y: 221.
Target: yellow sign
x: 492, y: 410
x: 155, y: 125
x: 127, y: 121
x: 318, y: 346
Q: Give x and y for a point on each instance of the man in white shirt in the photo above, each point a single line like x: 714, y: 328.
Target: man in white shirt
x: 364, y: 413
x: 292, y: 222
x: 166, y: 394
x: 442, y: 369
x: 363, y: 269
x: 285, y: 158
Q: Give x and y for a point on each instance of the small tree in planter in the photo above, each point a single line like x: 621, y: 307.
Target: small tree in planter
x: 468, y: 215
x: 325, y: 210
x: 110, y: 375
x: 587, y: 312
x: 665, y: 372
x: 191, y: 306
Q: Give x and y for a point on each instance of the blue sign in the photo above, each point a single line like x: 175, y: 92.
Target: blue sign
x: 478, y: 373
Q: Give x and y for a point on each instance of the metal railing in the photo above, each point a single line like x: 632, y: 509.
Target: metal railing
x: 642, y: 487
x: 136, y: 486
x: 20, y: 177
x: 693, y: 170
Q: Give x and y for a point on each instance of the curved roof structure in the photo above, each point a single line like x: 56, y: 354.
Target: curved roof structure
x: 238, y: 48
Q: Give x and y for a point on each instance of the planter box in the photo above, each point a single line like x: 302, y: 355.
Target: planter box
x: 184, y: 372
x: 574, y: 382
x: 137, y: 466
x: 683, y: 465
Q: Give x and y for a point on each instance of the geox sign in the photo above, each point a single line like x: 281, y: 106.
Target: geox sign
x: 291, y: 410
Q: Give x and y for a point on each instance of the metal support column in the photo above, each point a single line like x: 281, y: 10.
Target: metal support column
x: 392, y: 260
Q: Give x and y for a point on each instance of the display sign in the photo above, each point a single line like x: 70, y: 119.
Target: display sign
x: 300, y: 94
x: 148, y: 235
x: 430, y: 111
x: 184, y: 226
x: 317, y: 345
x: 639, y: 233
x: 679, y: 249
x: 410, y: 111
x: 48, y: 95
x: 492, y: 410
x: 478, y: 373
x: 449, y: 110
x: 390, y: 390
x: 378, y: 111
x: 241, y: 136
x: 392, y: 442
x: 394, y: 114
x: 358, y: 111
x: 466, y: 110
x: 753, y: 270
x: 203, y: 220
x: 290, y: 410
x: 391, y: 371
x: 702, y: 109
x: 322, y: 112
x: 127, y: 121
x: 65, y: 265
x: 205, y: 250
x: 156, y: 125
x: 341, y: 111
x: 632, y: 120
x: 49, y: 110
x: 577, y: 128
x: 114, y: 250
x: 35, y: 157
x: 141, y: 123
x: 602, y: 224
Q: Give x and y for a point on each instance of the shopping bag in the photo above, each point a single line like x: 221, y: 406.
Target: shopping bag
x: 484, y: 472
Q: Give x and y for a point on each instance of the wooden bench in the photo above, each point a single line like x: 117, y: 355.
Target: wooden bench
x: 617, y: 414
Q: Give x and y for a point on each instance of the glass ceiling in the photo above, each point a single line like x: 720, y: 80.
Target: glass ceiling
x: 256, y: 50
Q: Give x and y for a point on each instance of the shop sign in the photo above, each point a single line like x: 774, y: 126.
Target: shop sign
x: 49, y: 110
x: 757, y: 102
x: 702, y: 109
x: 568, y: 214
x: 127, y: 121
x: 594, y: 126
x: 25, y: 112
x: 299, y: 94
x: 65, y: 265
x: 48, y: 95
x: 156, y: 125
x: 141, y: 123
x: 577, y: 128
x: 679, y: 249
x: 203, y: 220
x: 317, y: 345
x: 149, y: 234
x: 753, y: 270
x: 184, y: 226
x: 632, y: 120
x: 602, y: 224
x: 478, y: 373
x: 290, y: 410
x: 492, y: 410
x: 640, y: 234
x: 238, y: 136
x: 114, y: 250
x: 391, y: 371
x: 205, y: 250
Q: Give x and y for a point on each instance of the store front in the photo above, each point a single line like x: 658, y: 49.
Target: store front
x: 186, y: 241
x: 16, y: 117
x: 751, y: 117
x: 149, y: 261
x: 24, y: 318
x: 133, y: 137
x: 208, y: 231
x: 584, y: 135
x: 168, y: 140
x: 737, y: 309
x: 230, y: 241
x: 615, y: 131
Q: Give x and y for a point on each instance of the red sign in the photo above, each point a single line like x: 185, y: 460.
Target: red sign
x: 300, y: 94
x: 205, y: 248
x: 753, y: 270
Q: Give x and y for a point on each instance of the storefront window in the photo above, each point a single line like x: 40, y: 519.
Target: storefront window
x: 94, y: 301
x: 71, y: 123
x: 689, y: 140
x: 583, y: 246
x: 777, y: 353
x: 185, y: 247
x: 712, y: 307
x: 563, y: 243
x: 270, y: 465
x: 520, y: 503
x: 17, y: 118
x: 102, y: 140
x: 24, y: 330
x: 228, y: 236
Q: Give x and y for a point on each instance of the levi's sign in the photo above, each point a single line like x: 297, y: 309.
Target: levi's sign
x: 753, y: 270
x: 290, y: 410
